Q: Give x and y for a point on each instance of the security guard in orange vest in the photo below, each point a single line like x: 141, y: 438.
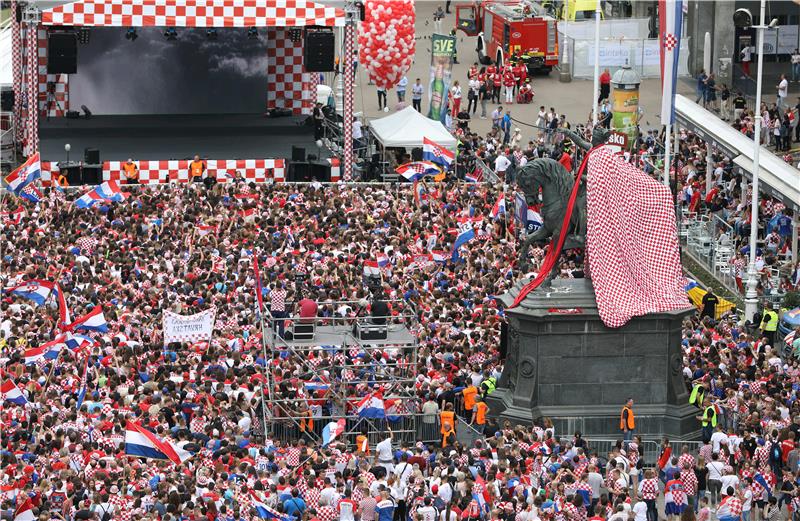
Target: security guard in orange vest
x: 63, y: 182
x: 627, y: 423
x: 479, y: 415
x: 131, y: 172
x: 447, y: 422
x: 196, y: 169
x: 306, y: 422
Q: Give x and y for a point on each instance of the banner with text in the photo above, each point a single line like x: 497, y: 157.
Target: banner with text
x: 443, y: 49
x: 188, y: 328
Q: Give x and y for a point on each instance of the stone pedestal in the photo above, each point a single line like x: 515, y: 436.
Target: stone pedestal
x: 565, y: 364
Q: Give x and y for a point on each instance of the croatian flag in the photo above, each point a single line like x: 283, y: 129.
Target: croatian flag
x: 670, y: 25
x: 759, y: 478
x: 533, y: 220
x: 383, y: 260
x: 316, y: 386
x: 371, y: 406
x: 108, y: 191
x: 265, y: 512
x: 393, y: 409
x: 435, y: 153
x: 12, y: 393
x: 24, y: 511
x: 416, y: 170
x: 466, y: 233
x: 14, y: 217
x: 82, y: 392
x: 205, y: 229
x: 420, y: 193
x: 520, y: 209
x: 439, y: 256
x: 372, y: 269
x: 46, y: 351
x: 144, y: 444
x: 92, y: 321
x: 31, y: 193
x: 36, y: 290
x: 499, y: 207
x: 331, y: 431
x: 76, y: 343
x: 28, y: 172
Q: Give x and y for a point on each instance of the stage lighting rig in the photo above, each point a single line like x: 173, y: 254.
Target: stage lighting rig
x: 131, y: 34
x: 171, y: 34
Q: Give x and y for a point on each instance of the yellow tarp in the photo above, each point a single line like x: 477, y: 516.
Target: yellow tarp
x: 696, y: 294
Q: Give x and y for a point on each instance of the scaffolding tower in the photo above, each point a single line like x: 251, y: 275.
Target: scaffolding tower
x: 320, y: 369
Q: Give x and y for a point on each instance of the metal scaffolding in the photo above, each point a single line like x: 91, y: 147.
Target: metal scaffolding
x: 321, y: 368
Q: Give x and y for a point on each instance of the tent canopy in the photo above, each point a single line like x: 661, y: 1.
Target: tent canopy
x: 407, y: 128
x: 193, y: 13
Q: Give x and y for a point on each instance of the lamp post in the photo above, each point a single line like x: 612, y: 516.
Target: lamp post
x: 743, y: 18
x: 596, y: 91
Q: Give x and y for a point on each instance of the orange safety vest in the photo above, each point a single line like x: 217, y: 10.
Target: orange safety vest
x: 447, y: 419
x: 307, y: 423
x: 62, y: 181
x: 130, y: 170
x: 197, y: 168
x: 631, y: 421
x: 362, y: 443
x: 480, y: 413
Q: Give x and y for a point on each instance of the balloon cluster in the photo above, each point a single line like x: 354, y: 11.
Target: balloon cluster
x: 386, y: 40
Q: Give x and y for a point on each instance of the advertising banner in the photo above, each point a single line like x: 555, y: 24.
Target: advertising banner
x: 442, y: 52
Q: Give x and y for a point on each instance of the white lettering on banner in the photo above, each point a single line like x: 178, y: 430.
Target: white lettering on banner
x: 612, y: 54
x: 652, y: 53
x: 188, y: 328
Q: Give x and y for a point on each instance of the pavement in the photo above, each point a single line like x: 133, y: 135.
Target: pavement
x: 572, y: 99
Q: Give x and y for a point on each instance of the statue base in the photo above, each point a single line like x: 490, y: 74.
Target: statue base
x: 565, y: 364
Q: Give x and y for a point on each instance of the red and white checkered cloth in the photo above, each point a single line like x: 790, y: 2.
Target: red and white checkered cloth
x: 631, y: 240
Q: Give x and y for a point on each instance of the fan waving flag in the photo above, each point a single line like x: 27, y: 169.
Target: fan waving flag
x: 31, y: 193
x: 670, y: 24
x: 24, y: 511
x: 416, y: 170
x: 499, y: 207
x: 265, y: 512
x: 28, y: 172
x: 144, y: 444
x: 92, y: 321
x: 36, y: 290
x: 108, y: 191
x: 436, y: 153
x: 372, y: 269
x: 47, y: 351
x: 465, y: 234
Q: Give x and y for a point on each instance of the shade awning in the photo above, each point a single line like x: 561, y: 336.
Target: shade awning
x: 193, y: 13
x: 407, y: 128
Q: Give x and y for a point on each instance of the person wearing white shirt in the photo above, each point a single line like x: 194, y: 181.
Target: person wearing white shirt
x: 427, y: 512
x: 783, y: 92
x: 717, y: 438
x: 403, y: 470
x: 328, y: 495
x: 640, y: 511
x: 383, y: 454
x: 501, y: 164
x: 401, y: 89
x: 729, y: 479
x: 446, y: 492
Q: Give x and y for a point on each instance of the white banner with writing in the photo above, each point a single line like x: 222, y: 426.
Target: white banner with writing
x: 188, y: 328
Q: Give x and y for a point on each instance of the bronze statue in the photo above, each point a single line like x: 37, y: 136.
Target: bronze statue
x: 556, y: 185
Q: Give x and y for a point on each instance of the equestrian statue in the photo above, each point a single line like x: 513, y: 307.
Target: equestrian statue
x: 556, y: 184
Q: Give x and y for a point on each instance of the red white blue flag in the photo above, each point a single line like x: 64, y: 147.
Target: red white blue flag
x: 28, y: 172
x: 436, y: 153
x: 670, y: 25
x: 144, y: 444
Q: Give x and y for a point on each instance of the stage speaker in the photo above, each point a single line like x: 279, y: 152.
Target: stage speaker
x: 299, y: 172
x: 298, y: 153
x: 72, y: 171
x: 62, y: 53
x: 91, y: 156
x: 319, y: 50
x: 7, y: 100
x: 92, y: 174
x: 321, y: 171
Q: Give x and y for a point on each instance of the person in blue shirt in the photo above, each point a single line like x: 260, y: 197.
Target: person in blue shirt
x: 384, y: 510
x: 294, y: 506
x: 505, y: 126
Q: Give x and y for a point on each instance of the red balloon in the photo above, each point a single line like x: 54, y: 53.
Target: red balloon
x: 382, y: 18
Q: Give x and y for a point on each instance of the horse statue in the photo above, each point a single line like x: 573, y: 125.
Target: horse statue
x: 556, y: 184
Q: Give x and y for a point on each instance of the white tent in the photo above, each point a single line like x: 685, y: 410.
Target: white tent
x: 407, y: 128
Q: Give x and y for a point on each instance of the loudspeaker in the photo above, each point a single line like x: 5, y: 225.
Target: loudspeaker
x: 72, y: 171
x: 321, y: 171
x: 62, y: 53
x: 91, y: 156
x: 319, y: 50
x: 73, y: 114
x: 299, y: 172
x: 7, y: 100
x: 92, y: 174
x: 298, y: 153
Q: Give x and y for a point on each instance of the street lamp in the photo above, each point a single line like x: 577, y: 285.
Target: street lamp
x: 743, y: 18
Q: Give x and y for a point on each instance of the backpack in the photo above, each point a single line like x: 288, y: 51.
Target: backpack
x: 776, y: 454
x: 106, y: 514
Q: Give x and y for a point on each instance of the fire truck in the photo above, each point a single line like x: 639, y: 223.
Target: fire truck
x: 511, y: 30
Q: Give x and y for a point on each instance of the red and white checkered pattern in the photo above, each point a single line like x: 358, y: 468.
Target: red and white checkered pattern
x: 154, y: 172
x: 336, y: 170
x: 193, y: 13
x: 349, y: 100
x: 631, y: 241
x: 287, y: 84
x: 670, y: 42
x: 58, y: 105
x: 32, y: 120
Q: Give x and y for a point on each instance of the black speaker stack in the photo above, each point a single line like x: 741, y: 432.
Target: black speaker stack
x: 319, y: 49
x: 62, y: 52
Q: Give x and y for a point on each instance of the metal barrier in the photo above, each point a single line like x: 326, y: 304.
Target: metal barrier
x: 649, y: 451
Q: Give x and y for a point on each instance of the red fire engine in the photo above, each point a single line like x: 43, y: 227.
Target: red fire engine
x: 511, y: 30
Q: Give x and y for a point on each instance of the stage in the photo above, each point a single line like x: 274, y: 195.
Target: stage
x: 162, y: 137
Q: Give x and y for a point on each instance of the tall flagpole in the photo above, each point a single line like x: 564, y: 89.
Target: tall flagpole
x: 596, y: 89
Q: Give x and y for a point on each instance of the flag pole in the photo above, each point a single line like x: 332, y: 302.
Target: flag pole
x: 666, y: 162
x: 263, y: 346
